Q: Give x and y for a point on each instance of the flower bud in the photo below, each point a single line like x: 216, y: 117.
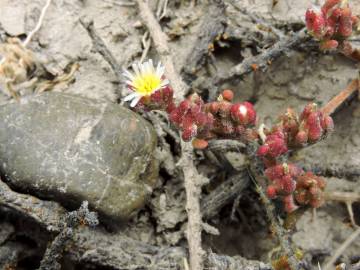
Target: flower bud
x: 214, y: 107
x: 329, y: 45
x: 301, y: 196
x: 184, y: 106
x: 199, y: 143
x: 309, y: 190
x: 228, y: 95
x: 187, y: 121
x: 327, y: 123
x: 315, y: 23
x: 243, y: 113
x: 294, y: 170
x: 271, y: 192
x: 309, y: 108
x: 170, y: 107
x: 345, y: 23
x: 276, y: 145
x: 176, y: 116
x: 275, y: 172
x: 167, y: 93
x: 201, y: 119
x: 329, y: 4
x: 263, y: 150
x: 301, y: 138
x: 156, y: 97
x: 289, y: 204
x: 313, y: 119
x: 336, y: 13
x: 189, y: 133
x: 224, y: 109
x: 288, y: 185
x: 315, y: 133
x: 316, y: 203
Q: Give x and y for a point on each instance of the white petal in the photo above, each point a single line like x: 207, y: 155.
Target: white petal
x: 128, y: 75
x: 164, y: 83
x: 148, y: 67
x: 142, y: 67
x: 151, y: 66
x: 145, y: 67
x: 131, y: 96
x: 160, y: 70
x: 129, y: 82
x: 135, y: 101
x: 158, y: 66
x: 136, y: 69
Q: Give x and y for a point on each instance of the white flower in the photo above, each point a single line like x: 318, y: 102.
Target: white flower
x: 144, y: 81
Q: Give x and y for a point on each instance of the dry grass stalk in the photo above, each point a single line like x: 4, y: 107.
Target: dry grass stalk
x: 16, y: 67
x: 346, y: 197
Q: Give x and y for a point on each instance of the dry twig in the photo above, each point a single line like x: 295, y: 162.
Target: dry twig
x: 334, y: 170
x: 279, y: 230
x: 115, y: 251
x: 223, y: 194
x: 39, y: 23
x: 256, y: 19
x: 146, y: 40
x: 45, y: 213
x: 263, y: 59
x: 226, y: 145
x: 212, y: 28
x: 160, y: 42
x: 346, y: 197
x: 192, y: 180
x: 53, y: 253
x: 341, y: 249
x: 19, y: 68
x: 101, y: 48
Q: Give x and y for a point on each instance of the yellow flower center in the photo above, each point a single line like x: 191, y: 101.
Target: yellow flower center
x: 146, y: 84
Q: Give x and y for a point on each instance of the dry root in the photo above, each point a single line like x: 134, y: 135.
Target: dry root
x: 17, y: 66
x: 21, y: 72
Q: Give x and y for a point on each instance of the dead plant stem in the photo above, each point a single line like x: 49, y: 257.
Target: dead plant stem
x: 278, y: 229
x: 39, y: 23
x: 342, y: 248
x: 192, y: 179
x: 36, y: 29
x: 101, y: 48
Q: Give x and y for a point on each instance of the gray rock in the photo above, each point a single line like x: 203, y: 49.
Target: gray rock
x: 6, y: 229
x: 69, y: 149
x: 12, y: 17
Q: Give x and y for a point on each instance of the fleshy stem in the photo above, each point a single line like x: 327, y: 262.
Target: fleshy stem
x: 280, y: 232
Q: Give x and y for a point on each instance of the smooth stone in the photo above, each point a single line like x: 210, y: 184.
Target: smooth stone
x: 69, y: 149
